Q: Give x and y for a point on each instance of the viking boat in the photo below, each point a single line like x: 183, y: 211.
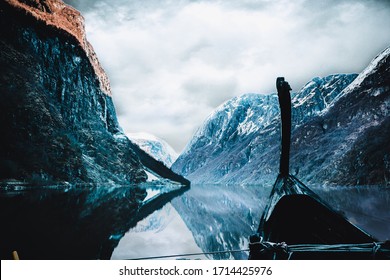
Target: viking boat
x: 297, y: 224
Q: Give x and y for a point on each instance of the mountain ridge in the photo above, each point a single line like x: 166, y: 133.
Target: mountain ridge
x: 318, y: 109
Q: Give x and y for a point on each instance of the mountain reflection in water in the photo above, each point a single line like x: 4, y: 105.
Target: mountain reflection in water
x: 160, y: 234
x: 136, y: 222
x: 221, y: 218
x: 79, y: 222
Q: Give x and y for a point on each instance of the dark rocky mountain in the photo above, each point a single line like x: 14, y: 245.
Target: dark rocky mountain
x: 58, y: 119
x: 349, y: 144
x: 339, y: 134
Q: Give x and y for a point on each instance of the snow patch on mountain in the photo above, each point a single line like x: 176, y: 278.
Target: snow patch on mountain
x: 371, y: 68
x: 154, y: 146
x: 239, y: 142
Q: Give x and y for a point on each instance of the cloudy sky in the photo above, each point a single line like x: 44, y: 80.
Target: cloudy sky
x: 171, y: 63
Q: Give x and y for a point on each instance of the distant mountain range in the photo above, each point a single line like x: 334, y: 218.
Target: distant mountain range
x: 155, y: 147
x: 340, y: 133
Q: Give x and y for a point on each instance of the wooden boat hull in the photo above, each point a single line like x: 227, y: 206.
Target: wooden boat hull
x: 297, y: 216
x: 300, y: 219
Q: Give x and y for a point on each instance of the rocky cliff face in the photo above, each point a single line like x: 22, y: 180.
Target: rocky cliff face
x: 349, y: 143
x: 334, y: 120
x: 317, y: 95
x: 58, y: 119
x: 60, y: 16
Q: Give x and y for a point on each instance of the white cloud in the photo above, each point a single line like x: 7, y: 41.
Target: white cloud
x: 171, y: 63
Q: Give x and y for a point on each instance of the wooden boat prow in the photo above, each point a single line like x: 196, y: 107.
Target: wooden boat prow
x: 297, y: 224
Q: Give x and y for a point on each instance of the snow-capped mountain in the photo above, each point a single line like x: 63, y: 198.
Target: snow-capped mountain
x: 349, y: 143
x: 317, y: 95
x: 240, y: 141
x: 223, y: 143
x: 154, y: 146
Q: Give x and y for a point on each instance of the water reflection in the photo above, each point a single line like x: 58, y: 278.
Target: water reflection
x: 206, y: 218
x: 135, y: 222
x: 221, y: 218
x: 367, y: 207
x: 160, y: 234
x: 58, y: 222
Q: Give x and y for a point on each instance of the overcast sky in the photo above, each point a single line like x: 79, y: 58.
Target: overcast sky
x: 171, y: 63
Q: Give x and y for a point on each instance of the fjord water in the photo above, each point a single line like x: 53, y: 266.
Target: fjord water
x: 221, y: 218
x: 73, y: 222
x: 212, y: 218
x: 129, y: 222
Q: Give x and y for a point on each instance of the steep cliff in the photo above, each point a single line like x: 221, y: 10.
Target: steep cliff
x: 349, y: 143
x: 58, y: 119
x: 58, y: 15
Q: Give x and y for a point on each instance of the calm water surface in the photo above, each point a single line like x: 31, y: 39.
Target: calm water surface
x: 128, y: 223
x: 213, y: 218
